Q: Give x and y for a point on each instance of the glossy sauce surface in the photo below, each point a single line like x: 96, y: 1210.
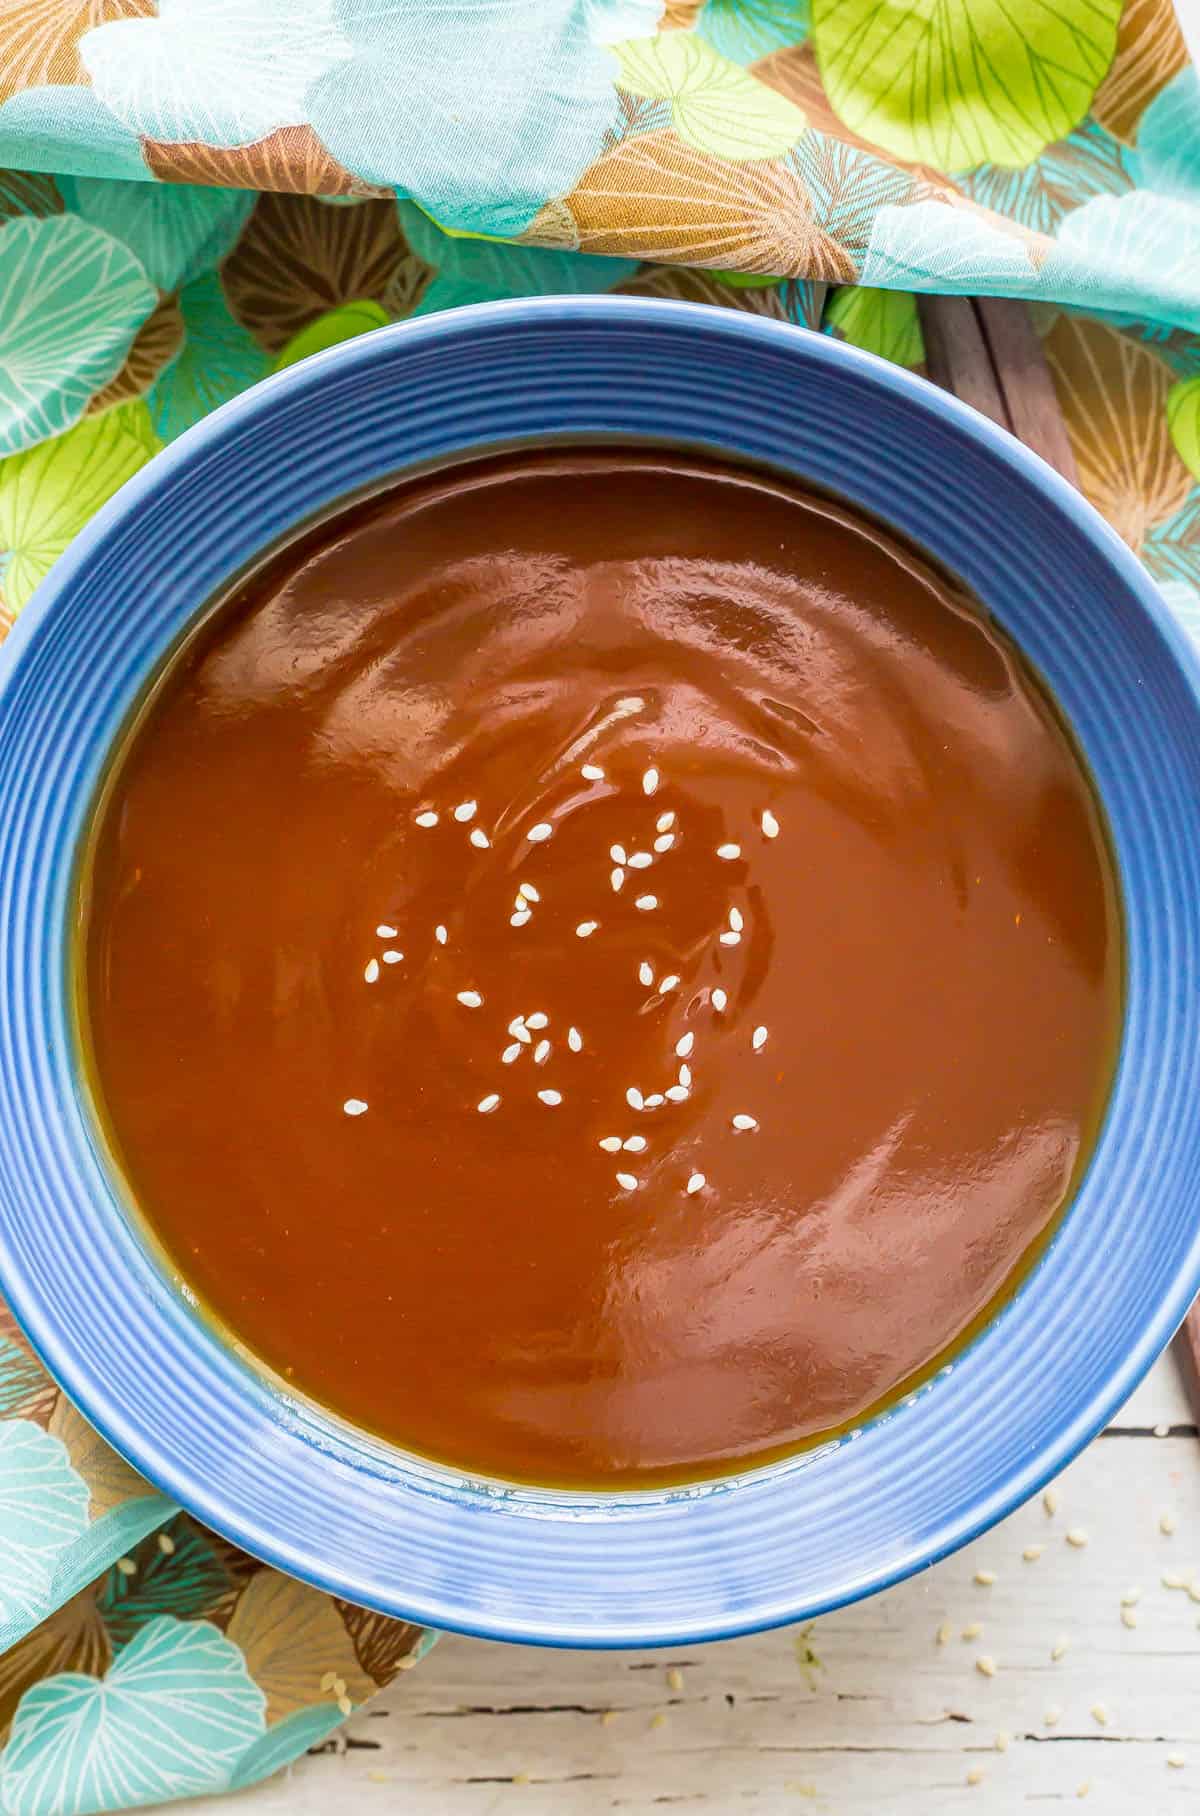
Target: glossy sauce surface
x: 842, y: 878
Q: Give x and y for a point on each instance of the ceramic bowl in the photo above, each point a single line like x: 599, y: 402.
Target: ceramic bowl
x: 345, y: 1511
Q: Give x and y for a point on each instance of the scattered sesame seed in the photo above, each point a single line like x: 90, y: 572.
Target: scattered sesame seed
x: 634, y: 1098
x: 664, y: 841
x: 518, y: 1030
x: 677, y: 1093
x: 1077, y: 1537
x: 1129, y: 1617
x: 529, y: 892
x: 985, y: 1665
x: 684, y: 1045
x: 1099, y: 1714
x: 649, y: 781
x: 1084, y: 1789
x: 611, y: 1144
x: 742, y: 1121
x: 354, y: 1106
x: 668, y: 983
x: 696, y: 1183
x: 729, y: 852
x: 1032, y: 1553
x: 487, y: 1104
x: 345, y: 1706
x: 731, y: 939
x: 758, y: 1039
x: 985, y: 1578
x: 736, y: 920
x: 719, y: 1001
x: 479, y: 838
x: 770, y: 824
x: 628, y: 1181
x: 975, y: 1775
x: 1050, y: 1501
x: 618, y: 854
x: 655, y: 1102
x: 539, y: 1019
x: 510, y: 1053
x: 1052, y: 1717
x: 608, y: 1718
x: 166, y: 1544
x: 1193, y: 1590
x: 617, y: 879
x: 386, y: 933
x: 1001, y: 1742
x: 1177, y: 1760
x: 371, y: 972
x: 427, y: 818
x: 520, y: 918
x: 466, y: 810
x: 675, y: 1679
x: 537, y: 835
x: 645, y: 973
x: 1059, y: 1649
x: 550, y: 1097
x: 391, y: 956
x: 585, y: 929
x: 685, y: 1075
x: 1131, y: 1598
x: 646, y: 902
x: 541, y: 1053
x: 592, y: 772
x: 640, y: 860
x: 972, y: 1631
x: 664, y: 822
x: 1171, y: 1579
x: 1166, y: 1524
x: 575, y: 1040
x: 470, y: 999
x: 439, y: 934
x: 659, y: 1720
x: 634, y: 1144
x: 942, y: 1636
x: 1162, y: 1430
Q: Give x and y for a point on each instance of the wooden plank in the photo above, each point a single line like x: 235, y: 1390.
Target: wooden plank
x: 956, y: 354
x: 1026, y: 384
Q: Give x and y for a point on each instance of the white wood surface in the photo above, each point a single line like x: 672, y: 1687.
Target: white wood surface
x: 866, y: 1712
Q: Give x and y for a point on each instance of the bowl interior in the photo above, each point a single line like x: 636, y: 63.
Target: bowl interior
x: 346, y: 1511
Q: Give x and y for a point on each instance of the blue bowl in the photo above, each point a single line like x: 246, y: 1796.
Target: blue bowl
x: 346, y: 1511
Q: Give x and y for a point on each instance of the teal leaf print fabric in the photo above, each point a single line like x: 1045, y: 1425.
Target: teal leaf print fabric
x: 43, y: 1510
x: 175, y: 233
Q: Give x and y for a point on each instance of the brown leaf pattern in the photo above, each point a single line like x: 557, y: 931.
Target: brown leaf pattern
x: 382, y: 1646
x: 1113, y: 395
x: 41, y: 37
x: 1150, y: 50
x: 109, y: 1477
x: 787, y: 302
x: 158, y: 340
x: 296, y: 1645
x: 31, y: 1392
x: 297, y: 258
x: 28, y: 192
x: 291, y: 158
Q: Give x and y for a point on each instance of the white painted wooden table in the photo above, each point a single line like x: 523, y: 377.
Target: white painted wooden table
x: 865, y: 1712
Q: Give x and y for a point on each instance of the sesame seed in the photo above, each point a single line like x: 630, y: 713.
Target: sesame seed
x: 1059, y: 1649
x: 1177, y: 1760
x: 539, y: 1019
x: 1131, y: 1597
x: 664, y: 822
x: 719, y: 1001
x: 731, y: 939
x: 1077, y: 1537
x: 770, y: 824
x: 1171, y: 1579
x: 427, y: 818
x: 634, y: 1098
x: 1129, y: 1617
x: 685, y: 1075
x: 585, y: 929
x: 1050, y: 1501
x: 675, y: 1679
x: 611, y: 1144
x: 985, y: 1578
x: 126, y: 1566
x: 439, y: 934
x: 735, y: 919
x: 510, y: 1053
x: 371, y: 971
x: 742, y: 1121
x: 729, y: 852
x: 696, y: 1183
x: 616, y: 878
x: 354, y: 1106
x: 1052, y: 1717
x: 649, y: 781
x: 550, y: 1097
x: 646, y: 902
x: 541, y: 1053
x: 345, y: 1706
x: 537, y: 835
x: 677, y: 1093
x: 1166, y: 1524
x: 758, y: 1039
x: 640, y: 860
x: 391, y: 956
x: 1162, y: 1430
x: 520, y: 918
x: 166, y: 1544
x: 528, y: 891
x: 592, y: 772
x: 575, y: 1040
x: 465, y: 811
x: 634, y: 1144
x: 470, y: 999
x: 628, y: 1181
x: 668, y: 983
x: 617, y: 854
x: 1001, y: 1741
x: 1099, y: 1714
x: 664, y: 841
x: 518, y: 1030
x: 972, y: 1631
x: 975, y: 1775
x: 386, y: 933
x: 645, y: 973
x: 985, y: 1665
x: 1032, y: 1553
x: 684, y: 1045
x: 943, y: 1634
x: 1084, y: 1789
x: 487, y: 1104
x: 655, y: 1102
x: 479, y: 838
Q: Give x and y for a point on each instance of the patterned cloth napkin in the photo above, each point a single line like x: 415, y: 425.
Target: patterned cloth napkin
x: 199, y: 192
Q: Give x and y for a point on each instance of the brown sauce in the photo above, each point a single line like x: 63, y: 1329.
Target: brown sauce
x: 930, y: 944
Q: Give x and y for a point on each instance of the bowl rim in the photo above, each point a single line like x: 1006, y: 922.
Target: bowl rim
x: 208, y: 435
